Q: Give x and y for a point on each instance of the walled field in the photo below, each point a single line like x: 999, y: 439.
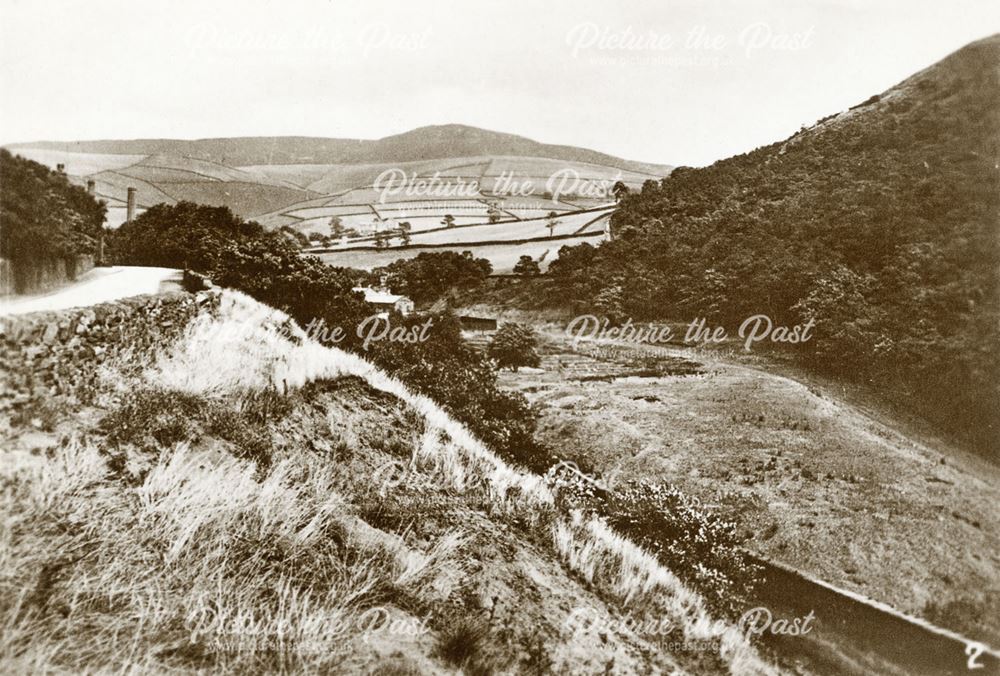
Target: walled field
x: 164, y: 174
x: 510, y: 230
x: 246, y: 199
x: 115, y: 185
x: 200, y: 168
x: 330, y: 211
x: 503, y: 256
x: 306, y: 196
x: 78, y: 164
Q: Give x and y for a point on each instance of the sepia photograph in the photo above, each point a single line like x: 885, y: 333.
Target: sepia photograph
x: 596, y: 337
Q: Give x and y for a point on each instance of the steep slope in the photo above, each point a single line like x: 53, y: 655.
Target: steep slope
x: 879, y: 224
x: 215, y: 491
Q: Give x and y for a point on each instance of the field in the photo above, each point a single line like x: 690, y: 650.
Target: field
x: 565, y: 224
x: 523, y: 190
x: 503, y: 256
x: 246, y: 199
x: 79, y: 164
x: 114, y: 185
x: 822, y: 479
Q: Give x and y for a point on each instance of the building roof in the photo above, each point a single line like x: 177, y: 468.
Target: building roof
x: 378, y: 296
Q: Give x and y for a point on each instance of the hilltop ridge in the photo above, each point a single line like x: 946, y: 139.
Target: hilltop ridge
x: 423, y: 143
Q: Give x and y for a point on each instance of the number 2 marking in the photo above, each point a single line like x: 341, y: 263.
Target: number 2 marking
x: 974, y: 650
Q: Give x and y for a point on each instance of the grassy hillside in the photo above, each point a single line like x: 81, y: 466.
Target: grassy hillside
x: 841, y: 491
x: 187, y: 515
x: 301, y: 183
x: 425, y: 143
x: 880, y: 224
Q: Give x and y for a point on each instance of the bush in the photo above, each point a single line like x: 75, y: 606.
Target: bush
x: 515, y: 345
x: 464, y: 382
x: 42, y: 215
x: 242, y: 255
x: 154, y: 418
x: 429, y: 275
x: 702, y: 549
x: 526, y: 266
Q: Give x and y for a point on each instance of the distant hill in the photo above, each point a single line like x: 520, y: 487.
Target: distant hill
x: 301, y: 183
x: 424, y: 143
x: 880, y: 223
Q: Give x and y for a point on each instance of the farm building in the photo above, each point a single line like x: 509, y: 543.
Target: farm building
x: 478, y: 324
x: 385, y: 301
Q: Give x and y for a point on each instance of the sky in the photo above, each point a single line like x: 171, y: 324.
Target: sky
x: 683, y: 82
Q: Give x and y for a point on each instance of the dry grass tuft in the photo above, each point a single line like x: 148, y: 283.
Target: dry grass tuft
x: 208, y: 563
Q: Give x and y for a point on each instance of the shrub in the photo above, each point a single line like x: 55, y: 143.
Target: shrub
x: 153, y: 418
x: 702, y: 549
x: 153, y: 415
x: 526, y: 266
x: 241, y: 255
x: 464, y: 382
x: 514, y: 345
x: 42, y: 215
x: 429, y: 275
x: 461, y: 644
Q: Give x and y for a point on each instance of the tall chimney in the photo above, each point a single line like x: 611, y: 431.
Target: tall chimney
x: 91, y: 186
x: 130, y: 206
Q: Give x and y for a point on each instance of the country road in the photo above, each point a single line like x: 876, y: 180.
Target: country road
x: 99, y: 285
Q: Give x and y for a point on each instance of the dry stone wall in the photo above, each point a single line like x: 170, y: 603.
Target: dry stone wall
x: 48, y: 354
x: 36, y: 276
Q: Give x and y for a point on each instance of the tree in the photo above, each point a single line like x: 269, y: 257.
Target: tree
x: 295, y: 236
x: 527, y: 267
x: 381, y: 240
x: 336, y: 227
x: 493, y: 213
x: 404, y: 232
x: 241, y: 255
x: 430, y: 275
x: 448, y: 221
x: 610, y: 302
x: 513, y: 346
x: 620, y: 191
x: 42, y: 215
x: 552, y: 222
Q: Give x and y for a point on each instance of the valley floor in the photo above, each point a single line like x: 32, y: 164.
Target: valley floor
x: 816, y: 483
